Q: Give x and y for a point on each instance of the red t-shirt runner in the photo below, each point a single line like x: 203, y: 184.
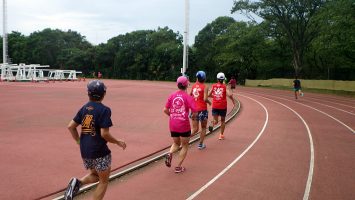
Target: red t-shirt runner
x: 219, y: 94
x: 198, y: 92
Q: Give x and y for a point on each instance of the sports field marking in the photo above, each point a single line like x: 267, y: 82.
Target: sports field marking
x: 311, y: 163
x: 332, y: 101
x: 351, y: 113
x: 238, y: 158
x: 333, y: 107
x: 342, y: 123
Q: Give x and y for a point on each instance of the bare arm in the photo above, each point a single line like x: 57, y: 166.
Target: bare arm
x: 205, y: 96
x: 105, y: 133
x: 166, y: 111
x: 74, y: 132
x: 210, y: 93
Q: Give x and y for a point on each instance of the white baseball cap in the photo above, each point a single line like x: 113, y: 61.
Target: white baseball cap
x: 220, y: 76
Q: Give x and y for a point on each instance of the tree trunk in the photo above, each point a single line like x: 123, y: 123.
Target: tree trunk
x: 297, y: 61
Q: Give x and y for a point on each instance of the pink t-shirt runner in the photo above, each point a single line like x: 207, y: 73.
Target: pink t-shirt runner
x: 179, y: 103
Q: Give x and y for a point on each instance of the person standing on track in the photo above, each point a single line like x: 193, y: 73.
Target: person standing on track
x: 219, y: 93
x: 177, y: 108
x: 199, y: 92
x: 95, y: 120
x: 297, y: 87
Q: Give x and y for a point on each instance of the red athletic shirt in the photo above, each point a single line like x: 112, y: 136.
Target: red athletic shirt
x: 219, y: 94
x: 233, y: 82
x: 198, y: 92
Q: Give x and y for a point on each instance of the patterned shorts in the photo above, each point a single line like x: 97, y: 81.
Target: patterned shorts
x: 99, y: 164
x: 201, y: 115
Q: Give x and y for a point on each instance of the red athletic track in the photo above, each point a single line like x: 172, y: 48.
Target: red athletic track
x: 38, y: 155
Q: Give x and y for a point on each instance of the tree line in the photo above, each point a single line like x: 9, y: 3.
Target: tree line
x: 312, y: 39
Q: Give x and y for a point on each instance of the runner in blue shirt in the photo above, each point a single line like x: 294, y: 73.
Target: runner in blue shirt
x: 297, y: 87
x: 95, y: 120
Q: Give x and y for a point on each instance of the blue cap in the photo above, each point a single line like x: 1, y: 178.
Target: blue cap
x: 201, y: 75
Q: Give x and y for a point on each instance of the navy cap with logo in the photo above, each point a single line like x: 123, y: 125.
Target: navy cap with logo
x: 96, y: 89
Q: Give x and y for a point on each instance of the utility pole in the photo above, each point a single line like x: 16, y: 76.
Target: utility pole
x: 186, y: 39
x: 4, y: 38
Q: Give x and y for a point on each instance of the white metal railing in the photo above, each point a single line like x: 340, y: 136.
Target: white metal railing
x: 34, y: 72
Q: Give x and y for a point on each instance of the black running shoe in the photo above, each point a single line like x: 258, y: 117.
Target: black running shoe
x: 72, y: 189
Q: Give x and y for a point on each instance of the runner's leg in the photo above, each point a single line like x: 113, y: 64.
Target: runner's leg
x: 195, y: 127
x: 103, y: 183
x: 203, y: 131
x: 215, y: 120
x: 176, y: 145
x: 223, y: 124
x: 90, y: 178
x: 184, y: 148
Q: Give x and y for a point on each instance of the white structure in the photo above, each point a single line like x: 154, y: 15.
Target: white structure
x: 63, y: 74
x: 35, y: 72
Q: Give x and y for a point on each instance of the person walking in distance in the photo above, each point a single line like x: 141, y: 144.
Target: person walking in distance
x: 177, y: 108
x: 95, y: 120
x: 297, y: 87
x: 219, y: 93
x: 233, y: 83
x: 199, y: 92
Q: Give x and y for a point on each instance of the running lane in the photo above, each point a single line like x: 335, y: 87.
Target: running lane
x: 333, y: 134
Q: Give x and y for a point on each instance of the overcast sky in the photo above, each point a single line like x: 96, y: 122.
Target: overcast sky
x: 100, y: 20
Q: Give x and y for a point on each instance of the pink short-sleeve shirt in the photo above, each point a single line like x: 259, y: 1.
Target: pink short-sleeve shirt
x: 179, y: 103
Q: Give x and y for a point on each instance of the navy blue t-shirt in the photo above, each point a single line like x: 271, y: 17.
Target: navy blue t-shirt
x: 297, y: 83
x: 93, y: 116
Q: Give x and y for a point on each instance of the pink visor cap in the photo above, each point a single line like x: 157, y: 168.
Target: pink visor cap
x: 183, y: 80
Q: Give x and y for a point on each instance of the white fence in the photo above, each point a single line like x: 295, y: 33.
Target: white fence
x: 35, y: 72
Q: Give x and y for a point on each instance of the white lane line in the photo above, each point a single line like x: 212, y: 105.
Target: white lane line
x: 332, y: 100
x: 238, y: 158
x: 351, y: 113
x: 332, y: 107
x: 342, y: 123
x: 311, y: 163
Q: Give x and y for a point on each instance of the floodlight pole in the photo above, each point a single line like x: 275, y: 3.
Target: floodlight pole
x: 186, y: 39
x: 4, y: 38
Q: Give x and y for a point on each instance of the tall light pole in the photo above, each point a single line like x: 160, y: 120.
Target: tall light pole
x: 4, y: 38
x: 186, y: 39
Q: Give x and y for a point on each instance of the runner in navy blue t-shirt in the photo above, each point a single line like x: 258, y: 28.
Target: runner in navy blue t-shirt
x: 297, y: 87
x: 95, y: 120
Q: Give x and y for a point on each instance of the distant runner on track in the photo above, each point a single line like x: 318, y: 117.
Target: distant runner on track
x: 95, y: 120
x: 177, y: 108
x: 297, y: 87
x: 233, y: 83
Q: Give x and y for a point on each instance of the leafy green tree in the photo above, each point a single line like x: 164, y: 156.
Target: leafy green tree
x: 332, y: 53
x: 205, y: 46
x: 16, y: 47
x: 54, y: 47
x: 291, y: 19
